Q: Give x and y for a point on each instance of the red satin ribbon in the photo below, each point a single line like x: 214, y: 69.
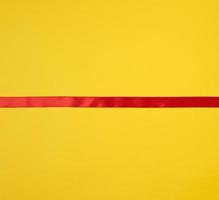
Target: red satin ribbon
x: 109, y: 102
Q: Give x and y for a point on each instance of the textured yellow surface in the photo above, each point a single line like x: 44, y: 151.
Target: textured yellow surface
x: 109, y: 48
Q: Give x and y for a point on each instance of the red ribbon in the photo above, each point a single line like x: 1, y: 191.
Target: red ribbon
x: 109, y: 102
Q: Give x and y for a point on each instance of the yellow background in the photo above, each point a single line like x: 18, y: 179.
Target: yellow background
x: 109, y: 48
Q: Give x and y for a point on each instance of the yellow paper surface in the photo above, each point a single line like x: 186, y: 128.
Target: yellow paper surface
x: 109, y: 48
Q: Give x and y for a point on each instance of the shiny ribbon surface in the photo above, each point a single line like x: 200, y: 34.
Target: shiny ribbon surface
x: 108, y: 102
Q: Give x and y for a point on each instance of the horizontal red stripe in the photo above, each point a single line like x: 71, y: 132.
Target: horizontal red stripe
x: 116, y: 102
